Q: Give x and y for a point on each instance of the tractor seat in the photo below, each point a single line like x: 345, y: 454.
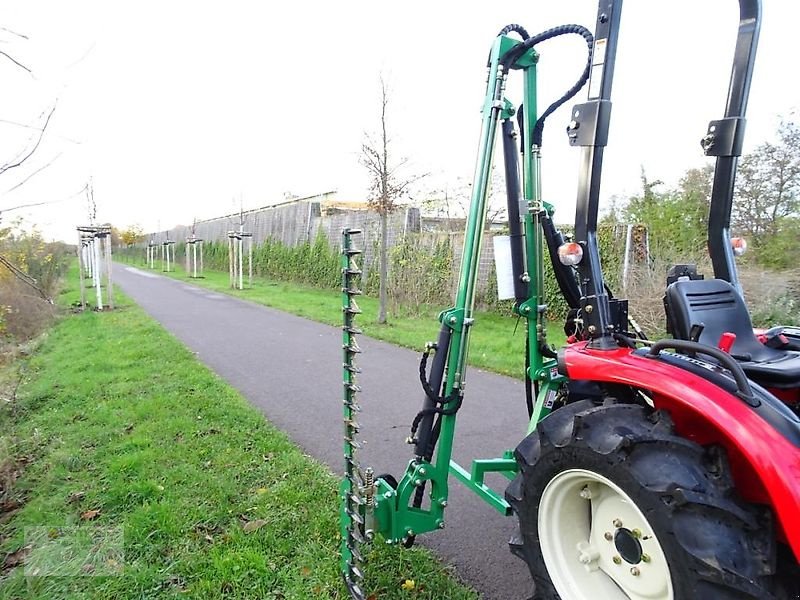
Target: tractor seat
x: 718, y: 306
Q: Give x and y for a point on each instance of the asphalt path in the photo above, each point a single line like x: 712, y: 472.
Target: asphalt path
x: 290, y: 368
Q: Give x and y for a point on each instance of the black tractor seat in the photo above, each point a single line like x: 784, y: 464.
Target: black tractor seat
x: 718, y: 307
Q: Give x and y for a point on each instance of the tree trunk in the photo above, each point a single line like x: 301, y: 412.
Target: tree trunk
x: 384, y: 268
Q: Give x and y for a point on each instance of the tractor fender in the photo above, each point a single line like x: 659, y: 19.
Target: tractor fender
x: 765, y: 464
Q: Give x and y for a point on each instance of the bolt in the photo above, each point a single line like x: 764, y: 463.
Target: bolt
x: 387, y: 495
x: 443, y: 503
x: 586, y: 493
x: 418, y: 482
x: 635, y: 571
x: 587, y: 555
x: 617, y: 523
x: 589, y: 308
x: 646, y: 558
x: 617, y: 560
x: 441, y: 524
x: 637, y: 533
x: 422, y: 470
x: 410, y: 532
x: 608, y: 536
x: 453, y: 320
x: 592, y: 329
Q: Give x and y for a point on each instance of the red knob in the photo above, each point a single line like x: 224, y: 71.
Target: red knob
x: 726, y: 341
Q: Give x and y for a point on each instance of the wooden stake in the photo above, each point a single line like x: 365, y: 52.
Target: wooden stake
x: 81, y: 271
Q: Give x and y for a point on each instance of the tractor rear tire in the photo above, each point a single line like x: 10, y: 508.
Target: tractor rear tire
x: 788, y: 575
x: 613, y: 504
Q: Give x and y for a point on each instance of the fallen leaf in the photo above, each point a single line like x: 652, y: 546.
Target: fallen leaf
x: 90, y: 515
x: 408, y: 585
x: 261, y: 491
x: 76, y: 496
x: 252, y: 526
x: 305, y: 571
x: 208, y: 538
x: 16, y: 558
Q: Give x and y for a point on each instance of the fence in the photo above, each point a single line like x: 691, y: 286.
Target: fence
x: 300, y: 221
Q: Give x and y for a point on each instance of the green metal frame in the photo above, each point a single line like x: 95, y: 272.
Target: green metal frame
x: 392, y: 513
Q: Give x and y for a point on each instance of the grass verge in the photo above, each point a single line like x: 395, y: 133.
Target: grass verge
x: 497, y: 343
x: 132, y: 471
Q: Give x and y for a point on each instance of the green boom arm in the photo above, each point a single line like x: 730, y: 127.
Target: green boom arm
x: 398, y: 513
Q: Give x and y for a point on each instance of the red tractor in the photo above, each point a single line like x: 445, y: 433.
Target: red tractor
x: 662, y: 469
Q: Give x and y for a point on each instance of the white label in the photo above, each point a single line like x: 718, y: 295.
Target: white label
x: 599, y: 53
x: 596, y: 82
x: 502, y: 267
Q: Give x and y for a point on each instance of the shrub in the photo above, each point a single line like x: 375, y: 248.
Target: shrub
x: 24, y: 313
x: 420, y: 272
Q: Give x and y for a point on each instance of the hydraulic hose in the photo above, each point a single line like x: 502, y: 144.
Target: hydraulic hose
x: 513, y: 27
x: 511, y: 57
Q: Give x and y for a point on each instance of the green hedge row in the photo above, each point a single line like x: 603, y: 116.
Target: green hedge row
x: 314, y: 263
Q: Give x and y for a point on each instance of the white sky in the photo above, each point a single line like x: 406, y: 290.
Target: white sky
x: 178, y: 110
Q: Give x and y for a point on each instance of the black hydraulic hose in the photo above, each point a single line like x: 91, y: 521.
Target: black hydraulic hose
x: 425, y: 426
x: 528, y: 381
x: 547, y: 351
x: 511, y: 57
x: 513, y: 27
x: 565, y: 275
x: 745, y: 392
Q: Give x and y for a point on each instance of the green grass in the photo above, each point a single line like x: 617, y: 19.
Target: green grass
x: 497, y: 343
x: 117, y: 416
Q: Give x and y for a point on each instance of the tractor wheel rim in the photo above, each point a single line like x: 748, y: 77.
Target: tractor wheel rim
x: 596, y: 543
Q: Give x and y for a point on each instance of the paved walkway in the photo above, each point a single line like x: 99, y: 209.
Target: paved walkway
x: 290, y: 368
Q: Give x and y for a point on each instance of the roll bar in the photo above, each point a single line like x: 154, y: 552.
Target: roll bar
x: 588, y: 129
x: 724, y: 141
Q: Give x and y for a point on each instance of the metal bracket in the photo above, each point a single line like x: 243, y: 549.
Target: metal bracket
x: 589, y: 124
x: 453, y: 318
x: 725, y: 137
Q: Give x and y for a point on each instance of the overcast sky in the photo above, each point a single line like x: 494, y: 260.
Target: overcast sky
x: 182, y: 110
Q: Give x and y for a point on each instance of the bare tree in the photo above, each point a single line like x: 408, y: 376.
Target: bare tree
x: 768, y: 186
x: 91, y: 205
x: 11, y: 58
x: 387, y: 185
x: 28, y: 150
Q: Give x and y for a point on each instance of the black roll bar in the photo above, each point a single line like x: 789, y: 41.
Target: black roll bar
x: 588, y: 129
x: 724, y: 141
